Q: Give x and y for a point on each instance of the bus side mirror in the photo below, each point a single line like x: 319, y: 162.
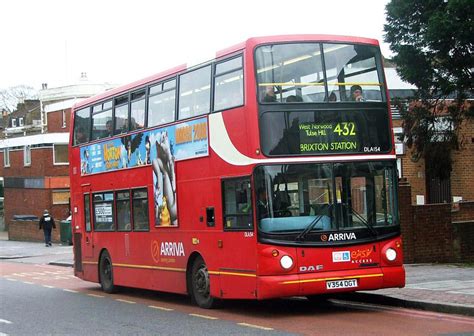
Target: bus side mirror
x: 210, y: 220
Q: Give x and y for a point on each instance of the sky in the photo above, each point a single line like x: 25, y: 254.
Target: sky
x: 116, y: 41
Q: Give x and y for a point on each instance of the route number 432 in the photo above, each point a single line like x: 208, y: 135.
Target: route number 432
x: 345, y: 128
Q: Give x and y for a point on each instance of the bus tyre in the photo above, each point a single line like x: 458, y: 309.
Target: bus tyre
x: 200, y: 285
x: 105, y: 273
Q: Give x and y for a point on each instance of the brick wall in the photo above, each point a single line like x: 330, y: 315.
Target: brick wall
x: 463, y: 225
x: 21, y: 201
x: 29, y: 231
x: 406, y: 216
x: 462, y: 183
x: 433, y: 233
x: 32, y: 201
x: 55, y: 121
x: 41, y: 164
x: 436, y: 232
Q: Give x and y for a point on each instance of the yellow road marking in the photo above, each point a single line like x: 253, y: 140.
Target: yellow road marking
x: 161, y: 308
x: 204, y: 316
x: 254, y: 326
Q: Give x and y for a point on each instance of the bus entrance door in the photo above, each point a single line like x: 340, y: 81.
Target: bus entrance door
x: 88, y: 242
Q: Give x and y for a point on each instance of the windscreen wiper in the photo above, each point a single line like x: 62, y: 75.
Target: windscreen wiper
x: 362, y: 219
x: 310, y: 227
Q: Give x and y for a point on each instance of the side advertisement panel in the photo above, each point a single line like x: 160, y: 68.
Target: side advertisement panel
x: 160, y: 148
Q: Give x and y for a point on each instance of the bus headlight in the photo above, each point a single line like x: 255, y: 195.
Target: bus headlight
x: 286, y: 262
x: 391, y: 254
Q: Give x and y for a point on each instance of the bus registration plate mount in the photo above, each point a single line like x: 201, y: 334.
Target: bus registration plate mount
x: 348, y: 283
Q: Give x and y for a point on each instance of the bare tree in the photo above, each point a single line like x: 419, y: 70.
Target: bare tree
x: 10, y: 97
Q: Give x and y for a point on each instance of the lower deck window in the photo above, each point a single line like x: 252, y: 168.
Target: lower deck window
x: 104, y: 211
x: 238, y: 214
x: 140, y: 210
x: 123, y: 211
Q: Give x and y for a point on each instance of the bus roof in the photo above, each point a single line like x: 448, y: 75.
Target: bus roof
x: 250, y: 43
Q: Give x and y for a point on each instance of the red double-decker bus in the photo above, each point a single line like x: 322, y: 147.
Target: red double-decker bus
x: 266, y: 172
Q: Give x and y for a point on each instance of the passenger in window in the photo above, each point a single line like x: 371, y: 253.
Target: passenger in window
x: 109, y: 128
x: 356, y: 93
x: 293, y: 99
x: 332, y: 97
x: 262, y: 204
x: 269, y: 95
x: 81, y: 136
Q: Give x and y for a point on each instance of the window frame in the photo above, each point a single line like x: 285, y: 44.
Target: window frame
x: 27, y: 155
x: 132, y: 201
x: 87, y: 132
x: 117, y: 200
x: 378, y: 70
x: 103, y: 201
x: 6, y: 157
x: 103, y: 111
x: 54, y: 155
x: 163, y: 90
x: 250, y: 202
x: 134, y: 98
x: 211, y: 91
x: 87, y: 213
x: 117, y: 104
x: 217, y: 75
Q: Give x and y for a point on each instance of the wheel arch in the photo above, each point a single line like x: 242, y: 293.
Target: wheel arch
x: 189, y: 268
x: 102, y: 251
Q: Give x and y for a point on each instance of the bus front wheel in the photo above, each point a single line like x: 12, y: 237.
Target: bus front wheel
x: 105, y: 273
x: 200, y: 285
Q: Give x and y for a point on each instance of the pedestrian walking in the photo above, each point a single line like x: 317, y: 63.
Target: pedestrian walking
x: 47, y: 224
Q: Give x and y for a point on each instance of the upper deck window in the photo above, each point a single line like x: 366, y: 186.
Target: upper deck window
x: 137, y: 112
x: 82, y: 126
x: 296, y: 73
x: 161, y: 103
x: 229, y: 84
x: 195, y: 93
x: 101, y: 120
x: 352, y: 68
x: 121, y: 115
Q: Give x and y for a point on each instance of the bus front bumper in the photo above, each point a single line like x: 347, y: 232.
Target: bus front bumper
x: 330, y: 282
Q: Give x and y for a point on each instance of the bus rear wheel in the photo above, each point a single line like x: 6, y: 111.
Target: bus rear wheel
x: 105, y: 273
x: 201, y: 285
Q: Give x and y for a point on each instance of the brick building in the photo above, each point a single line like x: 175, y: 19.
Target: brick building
x: 34, y: 154
x: 425, y: 190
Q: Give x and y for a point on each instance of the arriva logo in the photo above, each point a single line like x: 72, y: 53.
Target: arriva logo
x: 342, y: 236
x: 172, y: 249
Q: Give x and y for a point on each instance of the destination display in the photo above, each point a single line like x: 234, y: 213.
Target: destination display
x: 325, y: 132
x: 324, y: 137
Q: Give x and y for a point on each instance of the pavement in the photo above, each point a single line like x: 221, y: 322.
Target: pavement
x: 446, y: 288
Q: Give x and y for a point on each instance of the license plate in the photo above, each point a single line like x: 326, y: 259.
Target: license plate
x: 349, y: 283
